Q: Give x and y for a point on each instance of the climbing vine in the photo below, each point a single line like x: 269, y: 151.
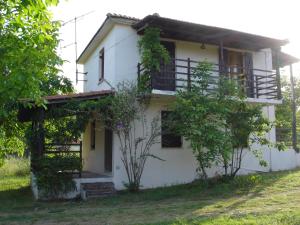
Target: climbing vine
x: 153, y: 53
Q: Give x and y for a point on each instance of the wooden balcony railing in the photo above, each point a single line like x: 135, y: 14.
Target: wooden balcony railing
x: 178, y: 74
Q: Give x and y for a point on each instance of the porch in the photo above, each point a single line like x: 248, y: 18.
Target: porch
x: 64, y: 156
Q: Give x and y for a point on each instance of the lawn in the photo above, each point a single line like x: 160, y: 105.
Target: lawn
x: 272, y: 198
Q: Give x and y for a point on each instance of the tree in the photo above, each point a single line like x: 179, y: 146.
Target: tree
x: 214, y: 116
x: 29, y: 64
x: 284, y: 113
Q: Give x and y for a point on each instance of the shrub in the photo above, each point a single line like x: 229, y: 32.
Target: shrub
x: 54, y: 175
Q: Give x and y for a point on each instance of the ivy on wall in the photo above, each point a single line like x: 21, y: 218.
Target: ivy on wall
x: 153, y: 53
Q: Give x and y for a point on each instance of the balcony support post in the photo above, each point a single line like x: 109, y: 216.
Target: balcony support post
x: 221, y: 63
x: 294, y: 124
x: 189, y: 73
x: 277, y: 65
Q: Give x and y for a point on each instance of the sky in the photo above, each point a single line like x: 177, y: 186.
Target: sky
x: 272, y: 18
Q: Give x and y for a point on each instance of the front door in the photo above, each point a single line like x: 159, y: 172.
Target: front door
x: 165, y: 78
x: 108, y: 150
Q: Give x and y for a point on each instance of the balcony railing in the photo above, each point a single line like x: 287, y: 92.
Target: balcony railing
x: 178, y: 74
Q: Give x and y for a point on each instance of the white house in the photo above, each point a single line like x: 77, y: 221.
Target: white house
x: 112, y: 56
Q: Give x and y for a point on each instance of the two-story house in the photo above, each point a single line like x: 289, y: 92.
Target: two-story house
x: 112, y: 56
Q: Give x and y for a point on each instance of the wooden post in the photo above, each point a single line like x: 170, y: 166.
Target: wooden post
x: 221, y: 63
x: 222, y: 52
x: 41, y: 133
x: 38, y: 137
x: 294, y: 124
x: 139, y: 71
x: 189, y: 73
x: 278, y: 74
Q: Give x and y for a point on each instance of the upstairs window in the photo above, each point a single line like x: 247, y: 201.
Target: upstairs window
x: 93, y: 135
x: 101, y: 64
x: 168, y: 138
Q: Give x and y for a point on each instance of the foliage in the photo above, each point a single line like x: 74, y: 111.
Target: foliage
x: 29, y: 65
x: 215, y: 118
x: 153, y: 53
x: 245, y: 126
x: 53, y: 175
x: 284, y: 113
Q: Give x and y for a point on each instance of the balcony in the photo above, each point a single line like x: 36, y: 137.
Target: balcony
x: 178, y: 75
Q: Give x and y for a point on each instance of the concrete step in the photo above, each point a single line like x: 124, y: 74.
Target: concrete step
x: 97, y: 189
x: 99, y: 193
x: 97, y: 185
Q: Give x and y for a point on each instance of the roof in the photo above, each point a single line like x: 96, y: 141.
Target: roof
x: 26, y: 114
x: 285, y: 59
x: 106, y: 26
x: 54, y: 99
x: 182, y: 30
x: 187, y: 31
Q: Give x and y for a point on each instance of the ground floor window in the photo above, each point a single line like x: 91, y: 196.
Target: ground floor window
x: 93, y: 135
x: 168, y: 138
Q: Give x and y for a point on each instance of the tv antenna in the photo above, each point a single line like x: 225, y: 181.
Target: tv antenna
x: 74, y: 20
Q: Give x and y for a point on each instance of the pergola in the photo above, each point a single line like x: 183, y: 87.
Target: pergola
x: 38, y: 114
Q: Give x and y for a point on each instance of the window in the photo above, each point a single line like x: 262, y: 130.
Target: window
x: 168, y: 138
x: 93, y: 135
x: 235, y: 63
x: 101, y: 64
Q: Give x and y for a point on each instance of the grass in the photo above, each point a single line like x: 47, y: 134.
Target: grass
x: 264, y: 199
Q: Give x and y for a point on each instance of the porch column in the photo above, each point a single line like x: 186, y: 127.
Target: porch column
x: 221, y: 58
x: 38, y: 137
x: 277, y: 66
x: 294, y: 124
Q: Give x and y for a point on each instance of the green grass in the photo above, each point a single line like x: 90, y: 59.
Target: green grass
x: 272, y: 198
x: 15, y: 167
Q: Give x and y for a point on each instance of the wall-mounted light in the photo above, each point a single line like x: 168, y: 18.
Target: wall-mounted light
x: 203, y: 46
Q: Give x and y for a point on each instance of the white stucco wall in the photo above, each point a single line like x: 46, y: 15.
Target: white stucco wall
x: 93, y: 160
x: 91, y: 66
x: 180, y: 164
x: 120, y: 59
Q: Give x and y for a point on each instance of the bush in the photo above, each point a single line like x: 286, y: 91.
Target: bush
x: 54, y: 174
